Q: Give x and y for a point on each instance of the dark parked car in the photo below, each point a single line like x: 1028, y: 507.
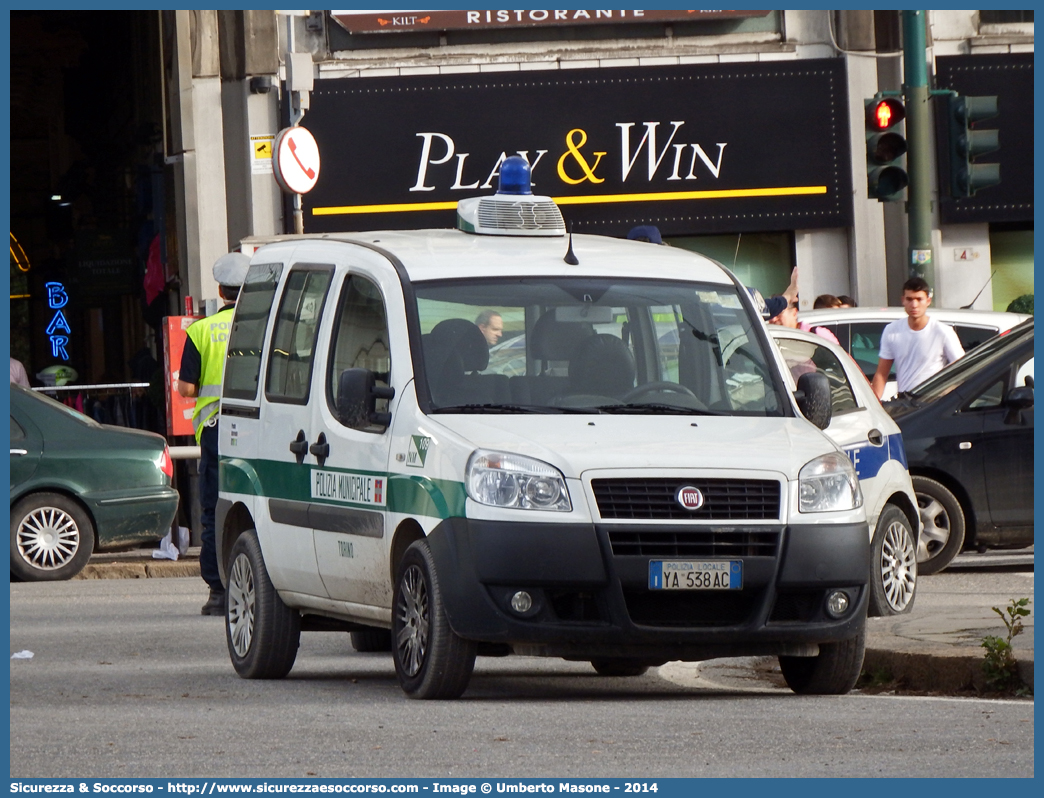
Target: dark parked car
x: 78, y: 486
x: 968, y: 433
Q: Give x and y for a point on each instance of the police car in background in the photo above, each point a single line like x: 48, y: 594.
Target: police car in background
x: 631, y: 497
x: 862, y: 427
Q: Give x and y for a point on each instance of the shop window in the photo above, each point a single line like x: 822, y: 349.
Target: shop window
x: 1005, y: 17
x: 760, y: 260
x: 1011, y: 254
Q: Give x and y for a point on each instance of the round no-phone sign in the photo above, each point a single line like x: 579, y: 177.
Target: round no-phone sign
x: 295, y: 160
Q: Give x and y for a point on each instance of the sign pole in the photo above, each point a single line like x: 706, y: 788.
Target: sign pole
x: 918, y: 131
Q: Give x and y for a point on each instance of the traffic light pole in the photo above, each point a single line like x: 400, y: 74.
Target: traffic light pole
x: 918, y: 134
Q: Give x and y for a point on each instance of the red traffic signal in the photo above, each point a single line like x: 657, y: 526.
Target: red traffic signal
x: 884, y: 114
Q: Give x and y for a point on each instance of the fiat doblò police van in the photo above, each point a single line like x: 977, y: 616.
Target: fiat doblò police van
x: 502, y: 439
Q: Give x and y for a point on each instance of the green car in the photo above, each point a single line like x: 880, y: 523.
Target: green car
x: 78, y: 486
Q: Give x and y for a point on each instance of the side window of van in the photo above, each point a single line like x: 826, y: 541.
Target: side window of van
x: 243, y: 366
x: 359, y: 340
x: 296, y: 328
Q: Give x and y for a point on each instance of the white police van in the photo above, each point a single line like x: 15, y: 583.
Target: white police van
x: 637, y: 485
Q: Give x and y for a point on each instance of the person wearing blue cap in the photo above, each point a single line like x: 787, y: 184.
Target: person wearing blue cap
x: 645, y: 232
x: 202, y: 367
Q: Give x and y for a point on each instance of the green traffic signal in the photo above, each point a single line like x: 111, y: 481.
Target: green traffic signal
x: 966, y: 144
x: 885, y: 146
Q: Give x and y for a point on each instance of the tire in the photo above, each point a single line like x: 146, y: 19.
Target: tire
x: 893, y: 579
x: 618, y: 667
x: 52, y: 538
x: 834, y: 671
x: 262, y: 633
x: 371, y: 640
x: 942, y: 519
x: 431, y: 661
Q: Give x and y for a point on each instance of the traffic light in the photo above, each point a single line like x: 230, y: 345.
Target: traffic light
x: 966, y: 176
x: 885, y: 146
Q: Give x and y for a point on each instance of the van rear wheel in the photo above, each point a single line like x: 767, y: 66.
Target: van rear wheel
x: 262, y: 633
x: 431, y: 661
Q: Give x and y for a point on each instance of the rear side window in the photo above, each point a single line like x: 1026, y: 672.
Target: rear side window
x: 243, y: 366
x: 296, y: 329
x: 971, y: 337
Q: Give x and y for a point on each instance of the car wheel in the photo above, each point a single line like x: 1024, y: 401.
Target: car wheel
x: 834, y: 671
x: 430, y: 660
x: 371, y: 640
x: 52, y: 538
x: 942, y: 519
x: 619, y: 667
x: 894, y: 578
x: 263, y: 634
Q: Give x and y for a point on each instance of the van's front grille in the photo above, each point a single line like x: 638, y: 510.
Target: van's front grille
x: 656, y: 542
x: 654, y: 499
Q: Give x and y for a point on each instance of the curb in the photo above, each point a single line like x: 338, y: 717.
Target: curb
x: 139, y: 570
x: 949, y: 674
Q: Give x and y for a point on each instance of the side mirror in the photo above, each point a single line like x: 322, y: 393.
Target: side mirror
x: 1017, y: 400
x: 813, y: 398
x: 357, y: 395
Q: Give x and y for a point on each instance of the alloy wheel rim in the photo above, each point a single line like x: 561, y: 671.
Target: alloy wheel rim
x: 414, y: 623
x: 936, y: 526
x: 48, y: 538
x: 241, y: 603
x: 898, y: 566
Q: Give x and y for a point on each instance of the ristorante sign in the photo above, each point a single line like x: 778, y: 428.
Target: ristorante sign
x: 693, y: 149
x: 401, y: 21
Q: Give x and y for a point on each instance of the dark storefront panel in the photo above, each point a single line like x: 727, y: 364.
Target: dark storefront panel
x: 1010, y: 77
x: 693, y: 149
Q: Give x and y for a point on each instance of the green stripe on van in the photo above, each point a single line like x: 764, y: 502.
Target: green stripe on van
x: 406, y: 493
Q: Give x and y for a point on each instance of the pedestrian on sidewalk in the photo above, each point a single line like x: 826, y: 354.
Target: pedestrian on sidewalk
x: 202, y: 366
x: 918, y: 345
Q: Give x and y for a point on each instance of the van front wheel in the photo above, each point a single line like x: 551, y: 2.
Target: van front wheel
x: 430, y: 660
x: 834, y: 671
x: 263, y: 634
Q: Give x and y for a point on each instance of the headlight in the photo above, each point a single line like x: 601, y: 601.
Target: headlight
x: 828, y: 483
x: 511, y: 480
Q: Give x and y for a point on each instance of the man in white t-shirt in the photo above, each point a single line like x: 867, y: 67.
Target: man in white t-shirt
x: 918, y: 345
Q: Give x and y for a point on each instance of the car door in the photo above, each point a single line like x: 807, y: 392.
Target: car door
x: 349, y: 459
x: 26, y: 448
x: 1006, y: 446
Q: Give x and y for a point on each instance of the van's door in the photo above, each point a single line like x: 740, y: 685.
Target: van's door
x: 349, y: 485
x: 286, y: 423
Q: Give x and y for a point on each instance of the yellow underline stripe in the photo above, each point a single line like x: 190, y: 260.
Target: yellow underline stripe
x: 593, y: 199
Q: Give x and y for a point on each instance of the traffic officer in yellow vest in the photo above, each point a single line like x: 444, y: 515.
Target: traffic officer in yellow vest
x: 202, y: 364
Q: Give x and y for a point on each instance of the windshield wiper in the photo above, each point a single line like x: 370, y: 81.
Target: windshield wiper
x: 657, y: 408
x: 490, y: 407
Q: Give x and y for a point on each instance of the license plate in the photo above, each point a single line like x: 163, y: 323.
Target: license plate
x: 698, y: 575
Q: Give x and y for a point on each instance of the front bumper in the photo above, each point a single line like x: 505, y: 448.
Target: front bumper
x: 591, y: 596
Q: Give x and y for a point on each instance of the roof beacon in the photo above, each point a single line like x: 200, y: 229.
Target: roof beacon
x: 513, y: 210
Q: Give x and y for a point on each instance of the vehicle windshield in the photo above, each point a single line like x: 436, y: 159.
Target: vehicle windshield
x: 980, y: 357
x: 592, y: 345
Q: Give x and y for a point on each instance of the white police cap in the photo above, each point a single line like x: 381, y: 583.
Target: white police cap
x: 230, y: 270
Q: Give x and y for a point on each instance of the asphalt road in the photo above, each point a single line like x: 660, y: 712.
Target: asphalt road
x: 127, y: 680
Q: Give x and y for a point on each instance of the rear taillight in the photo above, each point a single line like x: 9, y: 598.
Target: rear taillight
x: 166, y: 465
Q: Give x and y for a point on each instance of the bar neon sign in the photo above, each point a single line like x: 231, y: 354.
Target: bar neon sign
x: 57, y: 298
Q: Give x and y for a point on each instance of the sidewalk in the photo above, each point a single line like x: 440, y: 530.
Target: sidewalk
x: 936, y: 647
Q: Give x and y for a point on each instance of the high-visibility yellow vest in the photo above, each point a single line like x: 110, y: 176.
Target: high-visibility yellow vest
x: 210, y: 335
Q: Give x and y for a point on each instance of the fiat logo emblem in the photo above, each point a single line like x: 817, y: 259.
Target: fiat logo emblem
x: 689, y: 497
